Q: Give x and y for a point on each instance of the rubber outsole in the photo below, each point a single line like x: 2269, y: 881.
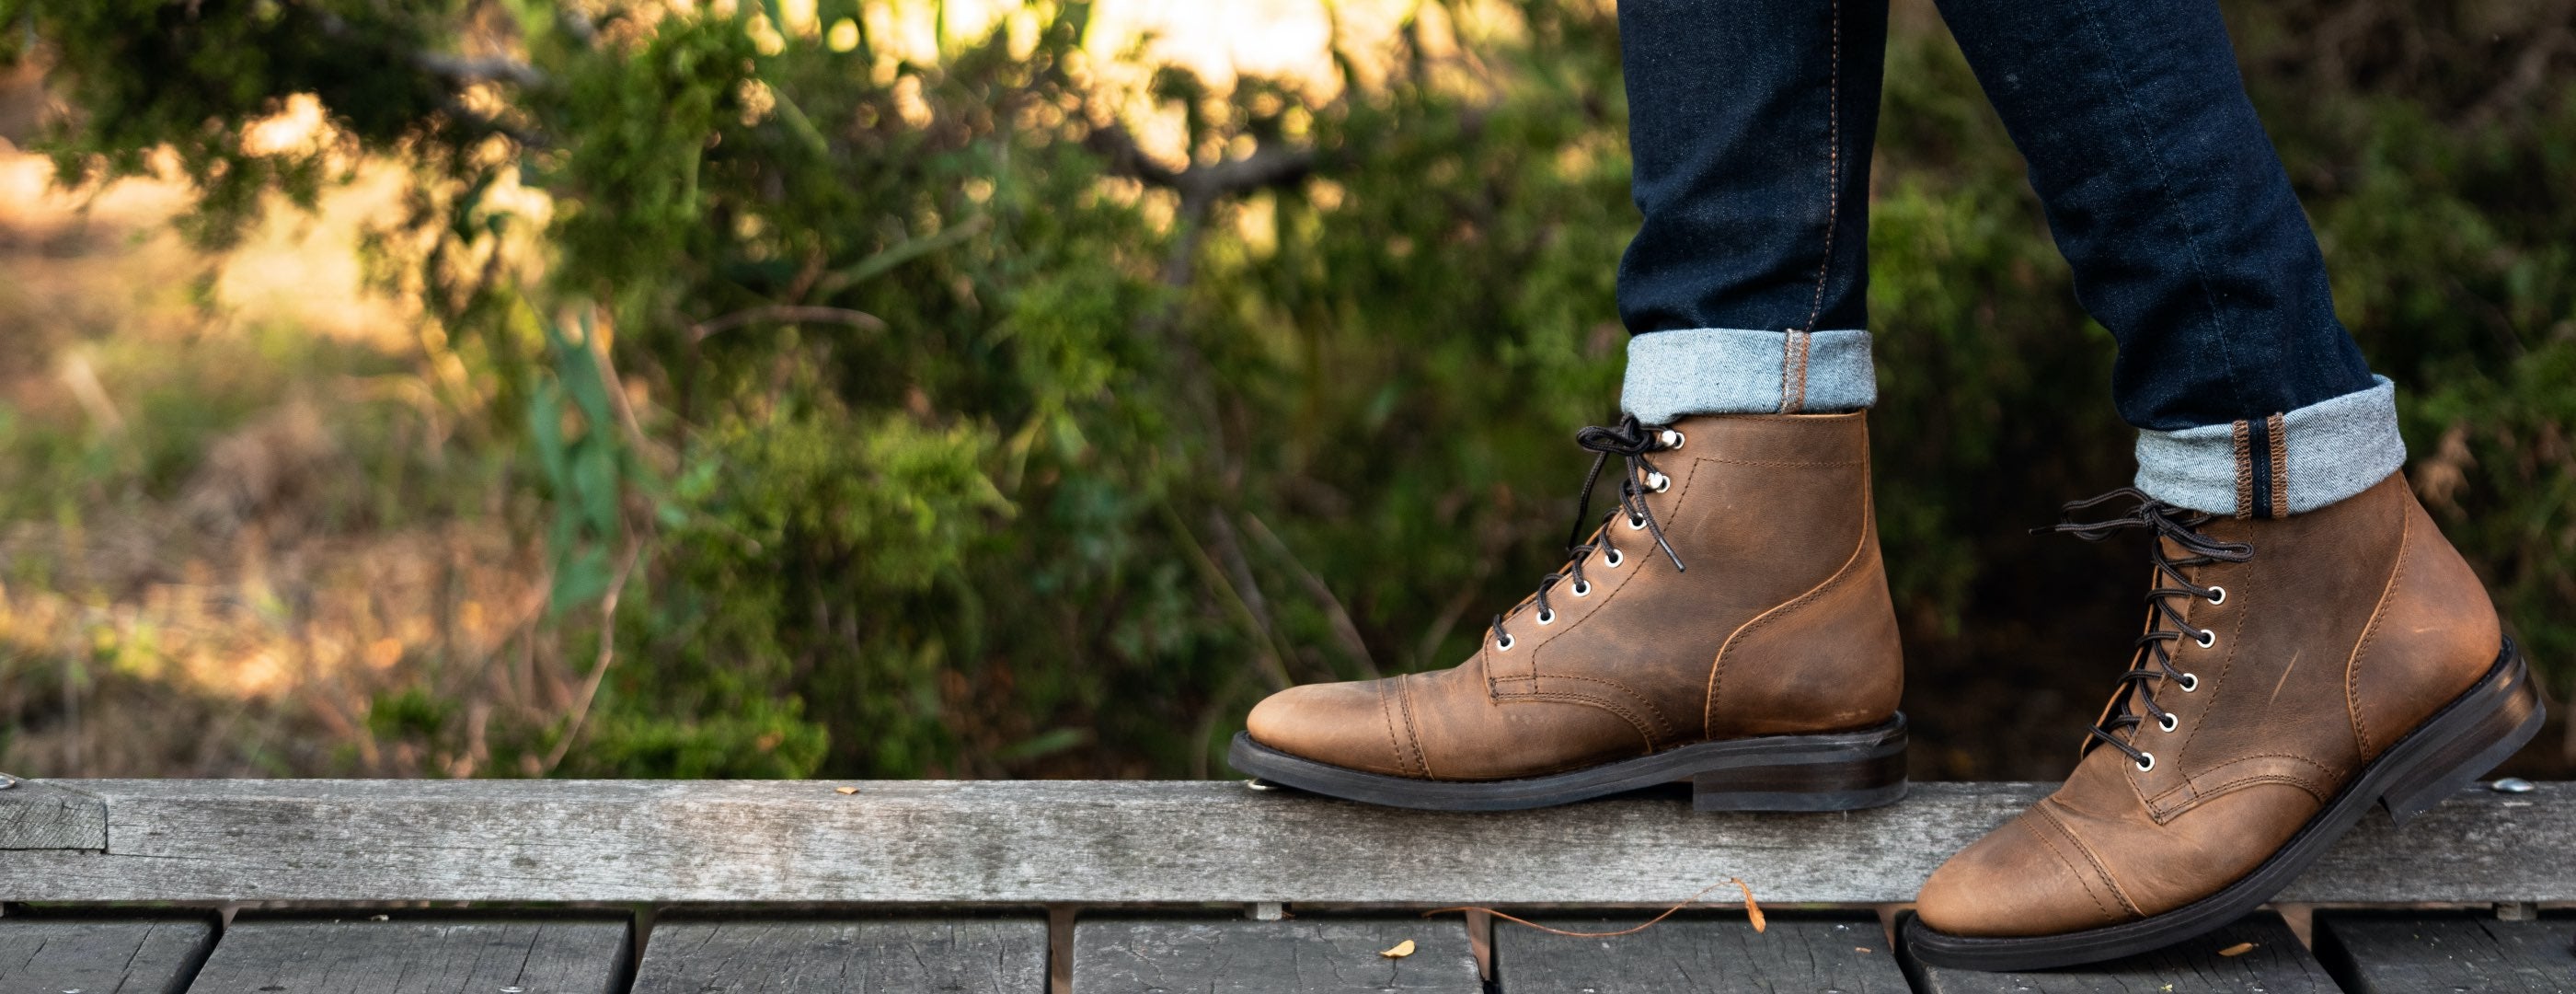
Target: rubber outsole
x: 2461, y: 742
x: 1836, y: 771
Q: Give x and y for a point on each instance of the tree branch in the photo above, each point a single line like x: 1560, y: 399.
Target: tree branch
x: 1201, y: 186
x: 792, y: 313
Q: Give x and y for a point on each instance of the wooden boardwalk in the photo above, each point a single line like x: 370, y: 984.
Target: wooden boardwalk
x: 317, y: 887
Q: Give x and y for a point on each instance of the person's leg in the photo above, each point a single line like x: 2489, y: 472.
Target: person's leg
x: 1728, y: 625
x: 2187, y: 243
x: 1750, y: 126
x: 2315, y: 647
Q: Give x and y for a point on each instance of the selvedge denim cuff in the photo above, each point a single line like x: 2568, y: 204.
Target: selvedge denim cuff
x: 1675, y: 374
x: 2281, y: 465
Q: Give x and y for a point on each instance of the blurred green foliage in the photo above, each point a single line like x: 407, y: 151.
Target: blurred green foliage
x: 906, y: 419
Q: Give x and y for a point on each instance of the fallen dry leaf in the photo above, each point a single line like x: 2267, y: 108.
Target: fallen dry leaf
x: 2238, y: 949
x: 845, y: 790
x: 1751, y: 910
x: 1401, y: 950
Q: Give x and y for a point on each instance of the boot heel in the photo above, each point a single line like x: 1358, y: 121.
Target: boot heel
x: 2480, y: 730
x: 1837, y: 773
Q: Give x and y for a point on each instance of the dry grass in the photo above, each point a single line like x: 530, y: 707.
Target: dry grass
x: 238, y: 513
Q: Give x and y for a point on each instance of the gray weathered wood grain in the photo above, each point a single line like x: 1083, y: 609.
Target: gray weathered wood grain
x: 2276, y: 964
x: 38, y: 814
x: 899, y: 956
x: 1291, y: 956
x: 2375, y: 953
x: 552, y: 956
x: 1721, y: 955
x: 1105, y: 842
x: 123, y: 956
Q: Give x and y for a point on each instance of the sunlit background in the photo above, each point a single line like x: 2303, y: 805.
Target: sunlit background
x: 1094, y: 472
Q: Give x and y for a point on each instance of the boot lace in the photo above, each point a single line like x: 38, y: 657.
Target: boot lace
x: 2135, y: 704
x: 1633, y: 442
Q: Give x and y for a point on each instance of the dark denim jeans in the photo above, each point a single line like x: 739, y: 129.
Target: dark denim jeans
x: 1751, y: 126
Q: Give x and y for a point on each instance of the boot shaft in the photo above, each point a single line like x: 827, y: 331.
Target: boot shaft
x: 2347, y: 626
x: 1778, y: 618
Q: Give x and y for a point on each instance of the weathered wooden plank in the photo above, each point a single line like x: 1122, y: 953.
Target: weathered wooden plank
x: 551, y: 956
x: 1104, y: 842
x: 1721, y: 955
x: 126, y: 956
x: 755, y: 956
x: 2399, y: 953
x: 2271, y: 960
x: 38, y: 814
x: 1291, y: 956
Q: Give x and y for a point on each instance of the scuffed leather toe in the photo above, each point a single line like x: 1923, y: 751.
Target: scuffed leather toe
x: 2026, y: 878
x: 1345, y: 724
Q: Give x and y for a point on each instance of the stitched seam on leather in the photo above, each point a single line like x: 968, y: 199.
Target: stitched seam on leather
x: 1386, y: 717
x: 1663, y: 725
x: 2314, y: 789
x: 2370, y: 633
x: 1412, y: 735
x: 2072, y: 869
x: 2050, y: 846
x: 2203, y: 793
x: 1613, y: 707
x: 1789, y: 463
x: 2100, y: 871
x: 1717, y: 667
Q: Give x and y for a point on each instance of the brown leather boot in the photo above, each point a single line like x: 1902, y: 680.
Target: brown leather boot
x: 1728, y: 625
x: 2293, y: 673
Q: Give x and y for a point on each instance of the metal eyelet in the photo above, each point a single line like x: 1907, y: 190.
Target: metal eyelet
x: 1547, y: 616
x: 2188, y: 682
x: 1674, y: 439
x: 1636, y: 522
x: 2217, y: 594
x: 1504, y: 644
x: 1659, y: 482
x: 2169, y: 722
x: 1612, y: 559
x: 2146, y: 761
x: 2206, y: 638
x: 1582, y: 588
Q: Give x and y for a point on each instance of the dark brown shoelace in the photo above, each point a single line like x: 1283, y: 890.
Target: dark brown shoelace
x: 2154, y: 658
x: 1634, y: 442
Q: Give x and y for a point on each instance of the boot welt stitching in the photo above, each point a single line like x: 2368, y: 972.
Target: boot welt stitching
x: 2370, y: 633
x: 2100, y: 871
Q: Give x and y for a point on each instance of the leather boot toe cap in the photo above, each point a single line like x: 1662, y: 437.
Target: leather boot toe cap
x: 2029, y: 877
x: 1344, y: 724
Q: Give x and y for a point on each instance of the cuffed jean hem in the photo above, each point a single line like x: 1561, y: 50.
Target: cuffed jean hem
x: 1675, y: 374
x: 2274, y: 467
